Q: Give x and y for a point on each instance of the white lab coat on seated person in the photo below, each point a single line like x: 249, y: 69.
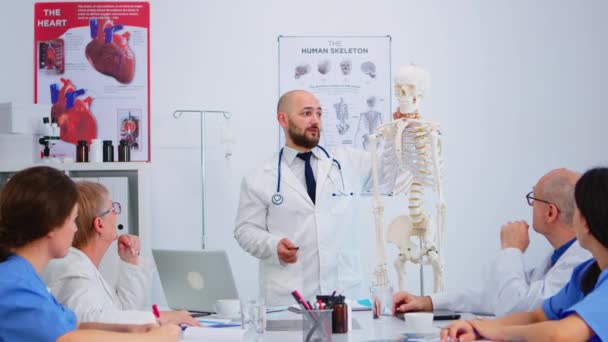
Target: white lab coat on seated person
x: 509, y: 287
x: 77, y: 284
x: 328, y: 258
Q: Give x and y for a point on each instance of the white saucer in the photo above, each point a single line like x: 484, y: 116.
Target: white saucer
x: 422, y: 334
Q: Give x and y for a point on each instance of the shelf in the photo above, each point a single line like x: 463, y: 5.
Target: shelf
x: 115, y: 166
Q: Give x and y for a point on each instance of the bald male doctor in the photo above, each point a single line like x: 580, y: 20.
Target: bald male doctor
x: 296, y: 212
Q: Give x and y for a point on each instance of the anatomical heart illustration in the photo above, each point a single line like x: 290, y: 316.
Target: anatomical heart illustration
x: 109, y: 53
x: 73, y: 114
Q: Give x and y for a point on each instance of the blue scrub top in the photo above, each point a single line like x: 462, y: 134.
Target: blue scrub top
x: 28, y: 312
x: 593, y: 308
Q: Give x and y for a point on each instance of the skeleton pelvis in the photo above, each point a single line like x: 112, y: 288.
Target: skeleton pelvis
x: 400, y: 230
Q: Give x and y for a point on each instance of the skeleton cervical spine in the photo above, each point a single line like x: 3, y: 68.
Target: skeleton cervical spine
x: 411, y: 162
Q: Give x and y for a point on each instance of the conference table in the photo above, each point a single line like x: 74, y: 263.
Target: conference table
x: 365, y: 329
x: 386, y: 328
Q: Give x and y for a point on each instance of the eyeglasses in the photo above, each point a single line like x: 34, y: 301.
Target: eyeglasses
x: 116, y: 208
x: 531, y: 200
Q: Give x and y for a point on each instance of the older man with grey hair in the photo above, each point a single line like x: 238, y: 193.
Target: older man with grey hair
x: 508, y: 285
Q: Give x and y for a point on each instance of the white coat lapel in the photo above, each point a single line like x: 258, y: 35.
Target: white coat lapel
x: 323, y: 168
x: 85, y: 259
x: 289, y: 179
x: 292, y: 181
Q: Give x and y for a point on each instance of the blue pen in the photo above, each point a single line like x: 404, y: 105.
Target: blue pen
x: 210, y: 321
x: 224, y: 325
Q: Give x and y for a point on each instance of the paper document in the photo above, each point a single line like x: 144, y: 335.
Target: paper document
x: 213, y: 334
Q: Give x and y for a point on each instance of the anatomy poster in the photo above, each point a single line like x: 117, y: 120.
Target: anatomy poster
x: 92, y: 65
x: 349, y: 75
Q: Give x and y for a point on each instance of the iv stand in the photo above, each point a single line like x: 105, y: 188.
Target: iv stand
x: 202, y: 113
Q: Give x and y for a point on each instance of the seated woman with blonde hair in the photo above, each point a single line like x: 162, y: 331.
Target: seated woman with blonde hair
x: 38, y: 210
x: 579, y: 312
x: 76, y: 281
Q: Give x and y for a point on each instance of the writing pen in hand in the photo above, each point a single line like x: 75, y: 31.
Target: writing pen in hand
x: 156, y: 313
x: 293, y: 248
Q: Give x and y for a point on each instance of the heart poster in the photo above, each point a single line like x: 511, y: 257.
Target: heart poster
x: 92, y: 65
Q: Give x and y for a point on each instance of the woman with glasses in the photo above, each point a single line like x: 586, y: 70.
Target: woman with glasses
x: 38, y: 210
x: 579, y: 312
x: 76, y: 281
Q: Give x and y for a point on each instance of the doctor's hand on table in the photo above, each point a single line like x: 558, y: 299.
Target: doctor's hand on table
x: 407, y: 302
x: 458, y: 331
x: 515, y: 235
x: 287, y: 251
x: 128, y: 248
x: 474, y: 329
x: 178, y: 317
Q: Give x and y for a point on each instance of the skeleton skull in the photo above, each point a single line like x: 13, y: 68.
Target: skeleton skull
x: 345, y: 66
x: 371, y: 101
x: 411, y: 83
x: 324, y: 66
x: 301, y: 70
x: 369, y: 68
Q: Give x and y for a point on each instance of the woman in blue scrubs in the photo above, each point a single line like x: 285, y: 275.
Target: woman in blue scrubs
x: 38, y: 209
x: 579, y: 312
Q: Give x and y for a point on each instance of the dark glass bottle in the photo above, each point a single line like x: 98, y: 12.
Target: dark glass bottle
x: 82, y: 152
x: 108, y: 151
x: 339, y: 317
x: 124, y: 153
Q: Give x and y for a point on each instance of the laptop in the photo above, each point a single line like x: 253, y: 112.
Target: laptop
x: 195, y: 280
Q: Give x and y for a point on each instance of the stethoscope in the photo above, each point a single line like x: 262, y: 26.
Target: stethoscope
x: 277, y: 199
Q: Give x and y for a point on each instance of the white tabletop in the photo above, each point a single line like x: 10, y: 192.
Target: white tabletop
x: 385, y: 328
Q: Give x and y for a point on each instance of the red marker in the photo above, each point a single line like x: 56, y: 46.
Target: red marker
x: 156, y: 313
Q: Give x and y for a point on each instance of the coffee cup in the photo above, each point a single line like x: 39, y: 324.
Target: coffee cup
x: 418, y: 322
x: 228, y: 307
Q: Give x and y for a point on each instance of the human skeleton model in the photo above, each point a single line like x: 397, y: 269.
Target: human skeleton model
x: 411, y: 162
x: 342, y: 115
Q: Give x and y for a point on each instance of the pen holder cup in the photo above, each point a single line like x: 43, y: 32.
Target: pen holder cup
x: 316, y: 325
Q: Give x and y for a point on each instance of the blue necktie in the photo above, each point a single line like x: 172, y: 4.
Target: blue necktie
x: 311, y: 184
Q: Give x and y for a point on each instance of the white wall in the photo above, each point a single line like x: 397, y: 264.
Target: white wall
x: 518, y: 87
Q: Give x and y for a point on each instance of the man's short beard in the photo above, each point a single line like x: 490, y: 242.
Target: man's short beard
x: 302, y: 140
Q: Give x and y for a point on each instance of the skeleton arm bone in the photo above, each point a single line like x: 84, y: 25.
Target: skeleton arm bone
x: 441, y: 207
x: 381, y: 272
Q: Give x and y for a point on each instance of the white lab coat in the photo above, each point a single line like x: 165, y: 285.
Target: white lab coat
x: 508, y: 287
x: 77, y: 284
x: 328, y: 258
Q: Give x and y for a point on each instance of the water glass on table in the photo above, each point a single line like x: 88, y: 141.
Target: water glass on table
x: 253, y: 315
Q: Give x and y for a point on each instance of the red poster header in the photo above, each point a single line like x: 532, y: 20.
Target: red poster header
x: 52, y: 19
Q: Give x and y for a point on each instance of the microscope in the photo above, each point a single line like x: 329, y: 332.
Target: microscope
x: 50, y: 138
